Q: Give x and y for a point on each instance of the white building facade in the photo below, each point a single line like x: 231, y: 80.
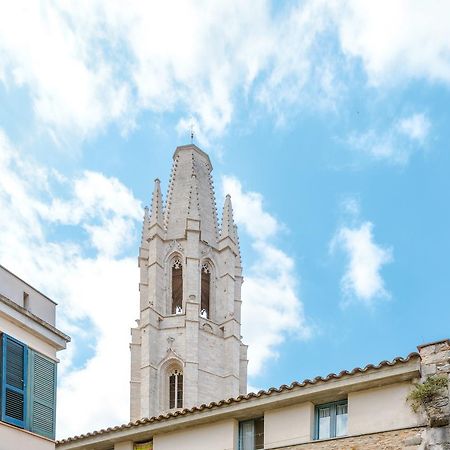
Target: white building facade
x: 187, y: 349
x: 29, y: 343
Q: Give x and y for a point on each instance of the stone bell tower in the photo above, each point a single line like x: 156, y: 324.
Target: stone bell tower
x: 186, y: 349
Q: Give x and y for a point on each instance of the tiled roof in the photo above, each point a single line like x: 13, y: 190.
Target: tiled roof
x: 242, y: 398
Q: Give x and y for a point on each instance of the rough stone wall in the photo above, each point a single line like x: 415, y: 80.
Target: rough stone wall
x: 435, y: 360
x: 408, y: 439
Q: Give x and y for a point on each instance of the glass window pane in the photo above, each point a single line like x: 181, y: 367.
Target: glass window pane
x: 341, y: 419
x: 172, y: 391
x: 247, y: 435
x: 259, y: 433
x: 179, y: 391
x: 324, y: 423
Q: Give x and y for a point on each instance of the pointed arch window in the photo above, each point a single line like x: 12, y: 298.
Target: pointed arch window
x: 205, y: 291
x: 176, y: 389
x: 177, y: 286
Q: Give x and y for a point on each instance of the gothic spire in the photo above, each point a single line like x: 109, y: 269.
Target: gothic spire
x: 157, y: 207
x: 191, y: 194
x: 228, y: 226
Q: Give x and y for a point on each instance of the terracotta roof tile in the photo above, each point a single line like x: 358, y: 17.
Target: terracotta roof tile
x: 241, y: 398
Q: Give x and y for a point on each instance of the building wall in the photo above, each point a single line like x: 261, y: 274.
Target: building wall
x: 289, y: 425
x: 380, y: 409
x: 215, y: 436
x: 13, y: 288
x: 21, y: 334
x: 12, y: 438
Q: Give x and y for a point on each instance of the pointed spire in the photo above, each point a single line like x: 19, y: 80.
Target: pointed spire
x: 191, y: 195
x: 157, y: 207
x: 228, y: 226
x: 145, y: 226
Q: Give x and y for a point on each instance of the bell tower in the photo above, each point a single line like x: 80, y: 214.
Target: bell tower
x: 186, y: 349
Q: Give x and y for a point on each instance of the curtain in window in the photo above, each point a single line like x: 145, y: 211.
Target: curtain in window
x: 247, y: 438
x: 341, y: 419
x: 324, y: 423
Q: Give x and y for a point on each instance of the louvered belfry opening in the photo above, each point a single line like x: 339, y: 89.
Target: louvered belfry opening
x: 177, y: 286
x: 205, y: 291
x: 176, y: 389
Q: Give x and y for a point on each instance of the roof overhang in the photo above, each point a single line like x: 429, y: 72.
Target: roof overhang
x: 316, y: 391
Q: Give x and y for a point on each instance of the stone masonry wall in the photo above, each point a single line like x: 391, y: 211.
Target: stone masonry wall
x: 435, y: 360
x: 407, y: 439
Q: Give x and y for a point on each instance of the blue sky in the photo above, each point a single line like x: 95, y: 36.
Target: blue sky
x: 328, y: 125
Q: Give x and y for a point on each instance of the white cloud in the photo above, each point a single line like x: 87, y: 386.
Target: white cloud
x: 397, y: 143
x: 271, y: 308
x: 416, y: 127
x: 86, y: 64
x: 89, y: 63
x: 362, y: 280
x: 397, y: 40
x: 249, y: 211
x: 87, y: 275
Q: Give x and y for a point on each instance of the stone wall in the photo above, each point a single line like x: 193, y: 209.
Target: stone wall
x: 435, y: 360
x: 407, y: 439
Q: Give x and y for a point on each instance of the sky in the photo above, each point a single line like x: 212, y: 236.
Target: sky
x: 328, y: 124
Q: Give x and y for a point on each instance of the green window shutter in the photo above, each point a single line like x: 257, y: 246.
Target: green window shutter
x: 14, y: 381
x: 43, y: 395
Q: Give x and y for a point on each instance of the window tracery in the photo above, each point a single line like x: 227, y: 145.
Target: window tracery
x: 176, y: 389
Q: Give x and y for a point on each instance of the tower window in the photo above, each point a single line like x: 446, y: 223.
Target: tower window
x: 205, y: 291
x: 176, y: 389
x: 177, y: 286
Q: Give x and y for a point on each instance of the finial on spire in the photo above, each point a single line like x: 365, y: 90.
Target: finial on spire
x: 192, y: 132
x: 157, y: 207
x: 228, y: 227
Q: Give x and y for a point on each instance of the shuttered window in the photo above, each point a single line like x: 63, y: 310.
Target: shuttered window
x: 28, y: 388
x: 43, y: 395
x: 13, y: 381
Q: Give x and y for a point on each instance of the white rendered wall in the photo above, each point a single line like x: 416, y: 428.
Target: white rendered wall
x: 12, y: 438
x: 289, y: 425
x: 13, y: 288
x: 216, y: 436
x: 22, y: 335
x: 380, y: 409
